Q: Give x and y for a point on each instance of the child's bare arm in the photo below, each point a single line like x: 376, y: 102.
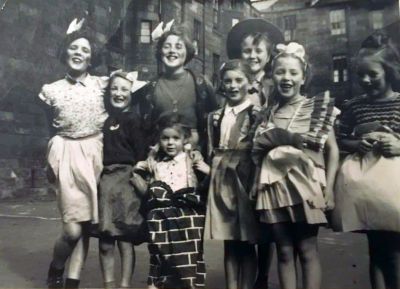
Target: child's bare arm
x: 332, y: 165
x: 202, y: 167
x: 139, y: 183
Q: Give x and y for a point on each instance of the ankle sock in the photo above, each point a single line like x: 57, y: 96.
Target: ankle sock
x: 110, y: 285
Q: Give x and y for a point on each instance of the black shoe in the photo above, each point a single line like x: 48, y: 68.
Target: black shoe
x: 55, y: 282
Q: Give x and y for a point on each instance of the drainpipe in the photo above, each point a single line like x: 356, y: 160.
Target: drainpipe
x: 204, y: 38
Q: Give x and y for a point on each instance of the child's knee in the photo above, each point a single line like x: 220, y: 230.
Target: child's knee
x: 308, y: 252
x: 285, y: 254
x: 106, y: 246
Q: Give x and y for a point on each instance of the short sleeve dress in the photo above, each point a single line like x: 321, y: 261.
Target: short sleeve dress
x: 290, y: 175
x: 75, y: 153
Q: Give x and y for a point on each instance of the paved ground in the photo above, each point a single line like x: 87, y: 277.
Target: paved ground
x: 28, y: 230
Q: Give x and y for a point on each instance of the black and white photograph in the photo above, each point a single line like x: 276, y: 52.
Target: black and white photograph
x: 185, y: 144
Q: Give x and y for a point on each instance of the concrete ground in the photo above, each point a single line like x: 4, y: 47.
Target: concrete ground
x: 28, y: 230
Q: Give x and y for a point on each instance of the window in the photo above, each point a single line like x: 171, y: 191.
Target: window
x: 376, y: 19
x: 216, y: 13
x: 234, y: 21
x: 289, y: 26
x: 338, y: 22
x: 197, y: 35
x: 145, y: 31
x: 340, y: 71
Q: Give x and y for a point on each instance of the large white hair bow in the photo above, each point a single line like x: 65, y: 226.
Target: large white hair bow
x: 131, y: 76
x: 159, y: 30
x: 75, y: 25
x: 292, y: 48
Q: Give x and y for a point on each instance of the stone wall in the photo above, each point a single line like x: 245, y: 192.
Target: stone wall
x: 30, y: 32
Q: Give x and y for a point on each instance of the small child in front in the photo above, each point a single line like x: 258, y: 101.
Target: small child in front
x: 175, y: 216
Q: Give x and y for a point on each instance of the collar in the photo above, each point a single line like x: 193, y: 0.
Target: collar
x: 238, y: 108
x: 179, y: 157
x: 72, y: 80
x: 258, y: 79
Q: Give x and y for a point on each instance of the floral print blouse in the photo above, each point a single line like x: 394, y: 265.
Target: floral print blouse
x: 77, y: 106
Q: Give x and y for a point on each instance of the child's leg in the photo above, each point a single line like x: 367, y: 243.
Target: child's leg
x: 265, y: 253
x: 78, y: 257
x: 76, y: 262
x: 106, y: 254
x: 389, y: 258
x: 231, y: 262
x: 307, y: 248
x: 283, y: 237
x: 376, y: 259
x: 127, y: 253
x: 394, y: 256
x: 247, y: 265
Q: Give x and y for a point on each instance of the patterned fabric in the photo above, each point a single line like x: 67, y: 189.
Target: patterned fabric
x: 175, y: 225
x: 367, y: 185
x: 177, y: 172
x: 77, y: 107
x: 313, y: 118
x: 360, y: 111
x: 291, y: 177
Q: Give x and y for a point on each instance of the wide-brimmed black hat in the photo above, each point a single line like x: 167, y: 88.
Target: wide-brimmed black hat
x: 245, y: 27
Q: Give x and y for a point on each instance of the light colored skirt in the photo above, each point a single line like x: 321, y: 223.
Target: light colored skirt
x: 289, y: 180
x: 230, y: 212
x: 367, y: 194
x: 76, y: 165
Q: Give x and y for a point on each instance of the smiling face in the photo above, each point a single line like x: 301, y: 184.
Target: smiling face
x: 79, y: 53
x: 288, y: 76
x: 255, y: 53
x: 120, y: 93
x: 372, y: 77
x: 172, y: 141
x: 234, y: 84
x: 173, y: 53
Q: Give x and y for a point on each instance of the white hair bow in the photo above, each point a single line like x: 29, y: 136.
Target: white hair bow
x: 75, y: 25
x: 292, y: 48
x: 131, y: 76
x: 159, y: 30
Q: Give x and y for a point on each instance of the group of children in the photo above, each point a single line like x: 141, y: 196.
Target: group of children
x: 270, y: 172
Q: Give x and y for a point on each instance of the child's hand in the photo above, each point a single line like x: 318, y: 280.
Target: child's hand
x: 365, y: 146
x: 201, y: 166
x: 329, y: 199
x: 139, y: 183
x: 390, y: 146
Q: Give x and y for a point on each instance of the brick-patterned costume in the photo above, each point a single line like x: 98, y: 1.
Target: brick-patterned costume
x: 175, y: 221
